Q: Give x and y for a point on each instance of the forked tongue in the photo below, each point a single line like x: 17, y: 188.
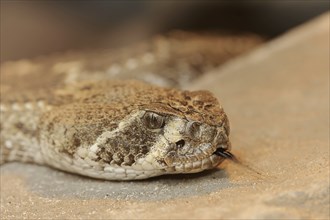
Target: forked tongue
x: 221, y: 152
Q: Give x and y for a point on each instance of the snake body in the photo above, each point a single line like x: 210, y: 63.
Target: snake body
x: 63, y: 113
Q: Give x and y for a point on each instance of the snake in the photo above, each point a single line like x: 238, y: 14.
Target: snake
x: 118, y: 114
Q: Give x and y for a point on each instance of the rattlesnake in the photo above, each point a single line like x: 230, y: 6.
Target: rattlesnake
x: 62, y: 112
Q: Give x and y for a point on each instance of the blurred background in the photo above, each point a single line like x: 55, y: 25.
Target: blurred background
x: 33, y: 28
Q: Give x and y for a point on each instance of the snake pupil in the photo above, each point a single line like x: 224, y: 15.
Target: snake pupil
x: 153, y: 120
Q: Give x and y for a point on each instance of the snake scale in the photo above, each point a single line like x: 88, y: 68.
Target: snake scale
x: 80, y: 113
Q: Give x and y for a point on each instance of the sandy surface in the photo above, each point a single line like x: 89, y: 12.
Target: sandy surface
x: 277, y: 98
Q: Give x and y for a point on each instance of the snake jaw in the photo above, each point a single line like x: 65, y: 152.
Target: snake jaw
x: 198, y: 165
x: 191, y: 156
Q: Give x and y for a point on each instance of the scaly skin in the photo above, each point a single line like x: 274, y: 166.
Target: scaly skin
x: 117, y: 130
x: 107, y: 129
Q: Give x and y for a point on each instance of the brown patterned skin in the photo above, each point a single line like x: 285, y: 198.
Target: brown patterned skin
x: 108, y: 129
x: 171, y: 60
x: 111, y: 117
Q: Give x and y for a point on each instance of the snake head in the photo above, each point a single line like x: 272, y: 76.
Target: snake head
x: 136, y: 131
x: 189, y: 129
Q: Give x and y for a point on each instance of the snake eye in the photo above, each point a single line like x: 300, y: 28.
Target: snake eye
x: 153, y: 120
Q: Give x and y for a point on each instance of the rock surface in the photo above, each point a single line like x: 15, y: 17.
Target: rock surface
x: 277, y: 99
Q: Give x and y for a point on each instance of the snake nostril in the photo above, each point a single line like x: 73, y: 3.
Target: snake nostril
x: 180, y: 143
